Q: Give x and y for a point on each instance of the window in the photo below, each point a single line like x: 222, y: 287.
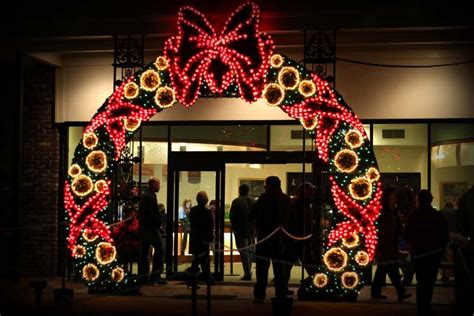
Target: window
x: 402, y: 153
x: 219, y: 138
x: 452, y: 162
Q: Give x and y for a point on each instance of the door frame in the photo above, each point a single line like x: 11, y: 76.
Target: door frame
x: 213, y: 161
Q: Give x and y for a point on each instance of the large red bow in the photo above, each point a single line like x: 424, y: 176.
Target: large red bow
x: 239, y: 54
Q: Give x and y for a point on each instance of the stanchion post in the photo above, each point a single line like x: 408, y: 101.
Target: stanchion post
x: 208, y: 285
x: 231, y: 252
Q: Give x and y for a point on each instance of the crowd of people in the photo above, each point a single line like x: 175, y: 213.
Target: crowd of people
x: 412, y: 237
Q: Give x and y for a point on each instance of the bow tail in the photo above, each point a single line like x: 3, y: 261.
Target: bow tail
x: 342, y: 230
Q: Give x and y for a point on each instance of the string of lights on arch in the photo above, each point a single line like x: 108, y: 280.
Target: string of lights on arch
x: 238, y: 62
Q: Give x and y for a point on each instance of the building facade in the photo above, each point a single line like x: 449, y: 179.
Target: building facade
x: 419, y: 118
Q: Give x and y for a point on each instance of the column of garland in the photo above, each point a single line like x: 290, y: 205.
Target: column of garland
x: 343, y: 144
x: 237, y: 63
x: 87, y: 189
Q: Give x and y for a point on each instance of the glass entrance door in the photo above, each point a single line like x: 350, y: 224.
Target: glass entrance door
x: 185, y: 183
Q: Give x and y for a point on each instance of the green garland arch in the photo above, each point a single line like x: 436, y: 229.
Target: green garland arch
x: 237, y: 63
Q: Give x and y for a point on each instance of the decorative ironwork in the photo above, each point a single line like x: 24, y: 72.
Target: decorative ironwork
x: 128, y: 57
x: 128, y: 53
x: 320, y: 51
x: 125, y: 188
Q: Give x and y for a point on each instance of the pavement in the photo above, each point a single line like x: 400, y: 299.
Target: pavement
x: 228, y: 298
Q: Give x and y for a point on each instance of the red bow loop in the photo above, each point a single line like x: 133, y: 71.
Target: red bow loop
x: 240, y: 54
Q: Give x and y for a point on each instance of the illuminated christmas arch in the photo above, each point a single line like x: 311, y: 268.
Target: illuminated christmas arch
x: 238, y: 62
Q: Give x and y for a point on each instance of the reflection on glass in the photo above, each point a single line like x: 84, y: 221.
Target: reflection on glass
x: 447, y: 156
x: 452, y: 167
x: 467, y: 154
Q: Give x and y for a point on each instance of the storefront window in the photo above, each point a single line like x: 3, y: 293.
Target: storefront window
x: 290, y: 138
x: 219, y: 138
x: 74, y: 137
x: 402, y: 153
x: 452, y: 162
x: 154, y: 153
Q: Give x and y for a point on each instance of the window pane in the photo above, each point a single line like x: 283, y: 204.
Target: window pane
x: 288, y: 138
x: 154, y: 157
x: 367, y: 130
x: 452, y: 162
x: 219, y: 138
x: 402, y: 152
x: 74, y: 137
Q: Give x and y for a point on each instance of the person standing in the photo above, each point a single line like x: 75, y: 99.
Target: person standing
x: 466, y: 214
x: 183, y: 217
x: 150, y: 225
x: 243, y: 228
x: 301, y: 225
x: 272, y: 210
x: 201, y: 224
x: 451, y: 214
x: 427, y: 235
x: 390, y: 230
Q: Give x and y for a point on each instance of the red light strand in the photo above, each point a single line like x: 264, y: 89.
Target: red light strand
x: 84, y: 216
x: 361, y: 218
x: 116, y: 112
x: 240, y: 54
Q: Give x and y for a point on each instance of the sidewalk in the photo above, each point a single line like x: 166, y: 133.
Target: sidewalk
x: 227, y: 299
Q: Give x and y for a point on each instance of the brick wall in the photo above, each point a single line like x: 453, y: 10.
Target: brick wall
x: 40, y: 174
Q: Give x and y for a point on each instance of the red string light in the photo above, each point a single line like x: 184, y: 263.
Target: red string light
x: 361, y: 218
x: 329, y: 112
x: 113, y: 117
x: 84, y: 217
x: 239, y: 54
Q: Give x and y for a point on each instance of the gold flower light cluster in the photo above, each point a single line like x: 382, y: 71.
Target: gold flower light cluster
x: 96, y: 161
x: 117, y: 274
x: 320, y: 280
x: 150, y: 81
x: 354, y: 138
x: 288, y: 79
x: 165, y: 97
x: 90, y: 272
x: 105, y: 253
x: 89, y: 235
x: 351, y: 241
x: 362, y: 258
x: 82, y: 185
x: 347, y: 161
x: 309, y: 124
x: 360, y: 189
x: 349, y: 280
x: 131, y: 124
x: 78, y: 251
x: 90, y: 140
x: 335, y: 259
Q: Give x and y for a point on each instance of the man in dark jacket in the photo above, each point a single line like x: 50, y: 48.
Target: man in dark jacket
x: 243, y: 228
x: 271, y: 211
x: 201, y: 233
x: 427, y: 234
x: 150, y: 225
